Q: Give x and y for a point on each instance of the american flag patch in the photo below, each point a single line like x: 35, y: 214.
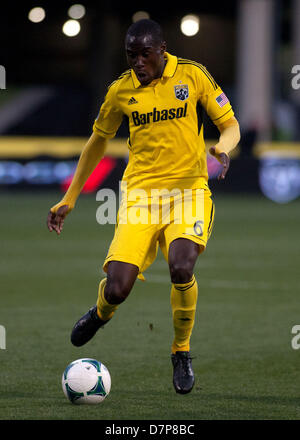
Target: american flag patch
x: 222, y: 99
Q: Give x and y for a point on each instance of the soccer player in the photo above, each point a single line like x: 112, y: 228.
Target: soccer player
x: 161, y: 96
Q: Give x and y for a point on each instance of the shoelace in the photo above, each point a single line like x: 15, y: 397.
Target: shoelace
x: 185, y: 361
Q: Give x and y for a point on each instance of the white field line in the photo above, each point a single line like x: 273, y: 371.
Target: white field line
x: 161, y: 265
x: 224, y: 284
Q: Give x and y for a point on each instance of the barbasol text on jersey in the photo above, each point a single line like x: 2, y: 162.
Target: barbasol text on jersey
x: 159, y: 115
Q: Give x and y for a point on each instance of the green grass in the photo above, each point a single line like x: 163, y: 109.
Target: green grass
x: 248, y: 281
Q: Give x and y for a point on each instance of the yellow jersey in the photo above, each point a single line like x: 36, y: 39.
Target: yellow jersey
x: 166, y: 142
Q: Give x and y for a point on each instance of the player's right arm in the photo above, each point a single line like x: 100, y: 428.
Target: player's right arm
x: 90, y: 156
x: 105, y: 127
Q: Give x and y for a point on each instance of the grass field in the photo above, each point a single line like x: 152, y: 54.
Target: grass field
x: 248, y: 281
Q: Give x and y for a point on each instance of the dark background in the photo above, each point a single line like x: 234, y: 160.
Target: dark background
x: 79, y: 69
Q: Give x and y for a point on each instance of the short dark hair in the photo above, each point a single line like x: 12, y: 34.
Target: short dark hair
x: 146, y: 27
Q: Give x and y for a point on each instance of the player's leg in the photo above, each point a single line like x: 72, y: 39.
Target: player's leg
x: 115, y: 288
x: 181, y: 244
x: 112, y: 291
x: 183, y: 254
x: 131, y: 250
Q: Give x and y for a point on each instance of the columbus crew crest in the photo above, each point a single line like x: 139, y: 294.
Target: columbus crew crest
x: 181, y: 91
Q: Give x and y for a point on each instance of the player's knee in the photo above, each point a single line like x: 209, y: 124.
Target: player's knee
x: 116, y: 292
x: 181, y: 272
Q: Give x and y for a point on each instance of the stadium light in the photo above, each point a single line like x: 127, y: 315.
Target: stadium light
x: 71, y: 28
x: 190, y: 25
x: 76, y: 11
x: 140, y: 15
x: 36, y: 15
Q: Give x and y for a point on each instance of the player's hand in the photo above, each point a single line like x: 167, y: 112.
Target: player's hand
x: 56, y: 218
x: 224, y: 159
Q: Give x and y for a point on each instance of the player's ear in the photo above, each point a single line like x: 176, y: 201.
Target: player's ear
x: 163, y: 47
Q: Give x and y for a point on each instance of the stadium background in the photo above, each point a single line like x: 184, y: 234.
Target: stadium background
x: 51, y: 88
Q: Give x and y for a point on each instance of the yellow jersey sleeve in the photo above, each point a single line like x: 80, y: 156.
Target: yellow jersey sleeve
x: 110, y: 115
x: 213, y: 99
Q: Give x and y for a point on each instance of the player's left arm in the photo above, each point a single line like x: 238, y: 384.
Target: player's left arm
x: 219, y: 110
x: 229, y: 138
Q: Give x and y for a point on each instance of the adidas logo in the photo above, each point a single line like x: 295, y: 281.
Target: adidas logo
x: 132, y: 100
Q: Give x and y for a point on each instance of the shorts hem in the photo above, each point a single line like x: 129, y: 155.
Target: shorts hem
x: 196, y: 240
x: 122, y: 259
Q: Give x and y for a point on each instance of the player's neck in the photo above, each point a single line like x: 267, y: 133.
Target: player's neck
x: 162, y: 68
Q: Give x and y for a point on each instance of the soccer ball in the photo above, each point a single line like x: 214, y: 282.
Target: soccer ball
x: 86, y: 381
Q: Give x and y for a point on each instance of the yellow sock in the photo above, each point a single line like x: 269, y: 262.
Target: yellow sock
x: 105, y: 310
x: 183, y: 302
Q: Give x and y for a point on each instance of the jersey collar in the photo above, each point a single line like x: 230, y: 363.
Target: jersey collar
x: 168, y: 72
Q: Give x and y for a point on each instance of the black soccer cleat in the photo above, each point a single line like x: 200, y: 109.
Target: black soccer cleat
x: 183, y: 375
x: 86, y: 327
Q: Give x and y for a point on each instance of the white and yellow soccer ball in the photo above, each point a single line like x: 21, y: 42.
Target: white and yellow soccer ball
x: 86, y: 381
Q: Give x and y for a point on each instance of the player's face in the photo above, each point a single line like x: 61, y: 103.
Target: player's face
x: 145, y: 58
